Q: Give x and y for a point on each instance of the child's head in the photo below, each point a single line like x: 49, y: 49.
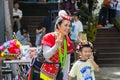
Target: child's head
x: 76, y: 15
x: 84, y: 50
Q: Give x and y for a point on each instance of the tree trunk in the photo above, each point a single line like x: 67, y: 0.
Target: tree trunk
x: 8, y: 20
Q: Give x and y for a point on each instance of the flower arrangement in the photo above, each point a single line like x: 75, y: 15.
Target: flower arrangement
x: 10, y: 47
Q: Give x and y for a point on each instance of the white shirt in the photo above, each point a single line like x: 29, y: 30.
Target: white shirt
x: 83, y: 70
x: 76, y: 28
x: 113, y: 4
x: 17, y: 12
x: 118, y: 5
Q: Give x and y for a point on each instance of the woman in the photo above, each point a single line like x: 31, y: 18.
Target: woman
x: 56, y: 49
x: 17, y: 16
x: 23, y: 36
x: 40, y: 32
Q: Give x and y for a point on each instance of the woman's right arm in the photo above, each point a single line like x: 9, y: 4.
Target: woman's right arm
x: 49, y: 51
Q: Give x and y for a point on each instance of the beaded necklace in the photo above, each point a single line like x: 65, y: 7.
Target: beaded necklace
x: 62, y: 56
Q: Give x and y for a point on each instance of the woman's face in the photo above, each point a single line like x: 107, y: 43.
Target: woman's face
x: 16, y: 6
x: 64, y: 27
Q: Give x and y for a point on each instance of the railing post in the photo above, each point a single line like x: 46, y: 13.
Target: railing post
x: 1, y: 61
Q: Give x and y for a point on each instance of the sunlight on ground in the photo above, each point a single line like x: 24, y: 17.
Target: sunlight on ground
x: 116, y: 73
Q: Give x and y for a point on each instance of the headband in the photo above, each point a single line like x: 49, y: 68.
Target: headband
x: 81, y: 44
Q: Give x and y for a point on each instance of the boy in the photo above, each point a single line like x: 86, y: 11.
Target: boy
x: 37, y: 61
x: 84, y: 68
x: 39, y: 34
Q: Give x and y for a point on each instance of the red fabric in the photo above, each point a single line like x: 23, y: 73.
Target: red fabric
x: 29, y: 75
x: 55, y: 58
x: 49, y: 39
x: 66, y: 17
x: 51, y: 69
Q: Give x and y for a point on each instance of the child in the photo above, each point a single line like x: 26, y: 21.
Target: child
x: 84, y: 68
x: 34, y: 71
x: 39, y: 34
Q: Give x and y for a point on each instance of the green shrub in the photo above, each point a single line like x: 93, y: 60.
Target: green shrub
x: 90, y: 21
x: 116, y: 22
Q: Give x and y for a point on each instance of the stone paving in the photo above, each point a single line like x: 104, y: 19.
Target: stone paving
x: 108, y: 73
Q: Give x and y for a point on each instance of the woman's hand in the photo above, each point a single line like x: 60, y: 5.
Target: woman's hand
x: 59, y: 39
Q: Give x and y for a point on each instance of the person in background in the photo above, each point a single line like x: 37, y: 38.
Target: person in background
x: 118, y: 9
x: 40, y: 32
x: 76, y: 32
x: 70, y: 6
x: 90, y: 6
x: 76, y: 29
x: 47, y: 22
x: 84, y: 68
x: 56, y: 49
x: 23, y: 36
x: 79, y: 3
x: 103, y: 13
x: 17, y: 16
x: 36, y: 63
x: 112, y: 11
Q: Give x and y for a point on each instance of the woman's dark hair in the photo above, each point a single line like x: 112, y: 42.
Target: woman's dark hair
x: 59, y: 21
x: 76, y: 14
x: 23, y: 28
x: 41, y: 25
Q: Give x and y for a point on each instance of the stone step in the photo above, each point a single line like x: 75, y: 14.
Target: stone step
x: 108, y: 34
x: 108, y: 38
x: 112, y: 55
x: 107, y: 50
x: 106, y: 42
x: 39, y: 8
x: 107, y: 47
x: 109, y: 53
x: 32, y: 20
x: 108, y: 60
x: 107, y: 30
x: 96, y: 44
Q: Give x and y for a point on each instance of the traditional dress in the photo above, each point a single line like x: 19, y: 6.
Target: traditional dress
x: 50, y: 70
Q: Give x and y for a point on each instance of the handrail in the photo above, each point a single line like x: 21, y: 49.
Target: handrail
x: 37, y: 2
